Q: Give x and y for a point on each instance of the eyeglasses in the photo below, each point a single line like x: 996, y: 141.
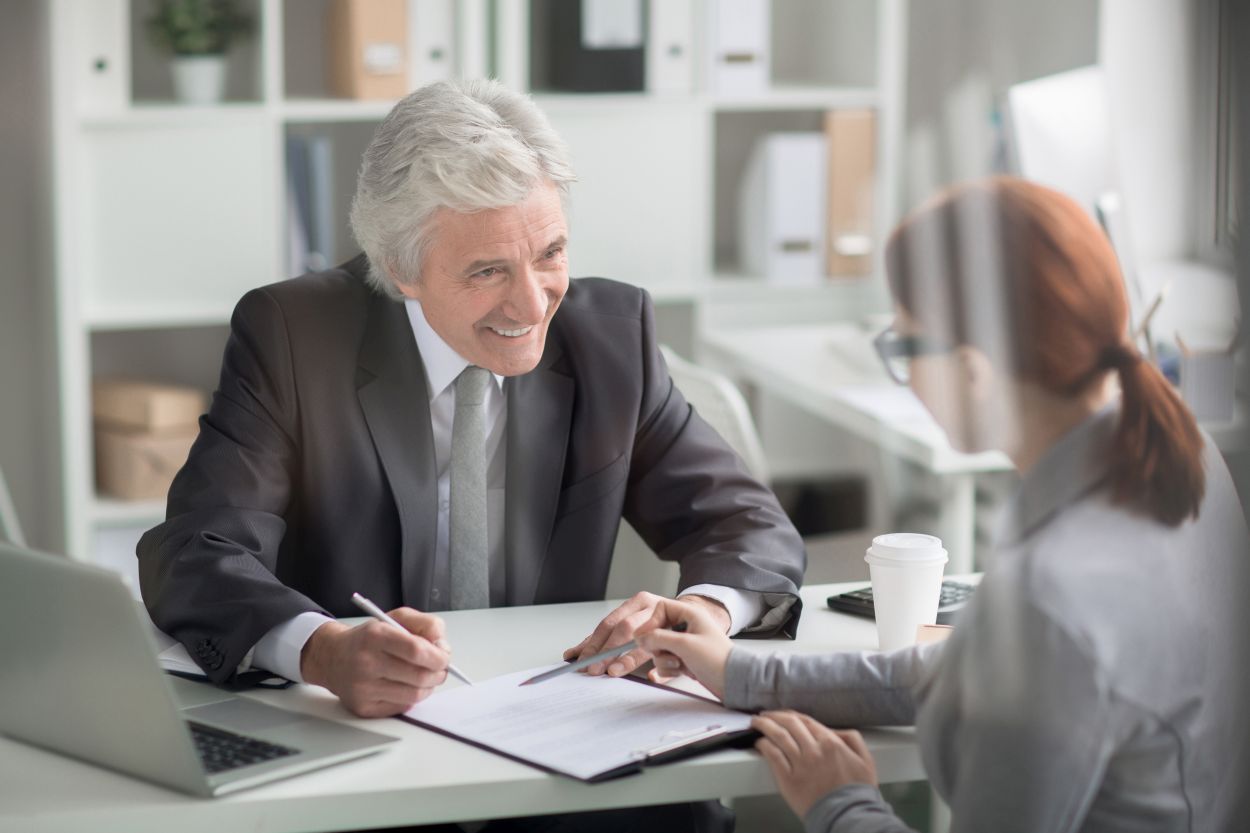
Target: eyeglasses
x: 897, y: 351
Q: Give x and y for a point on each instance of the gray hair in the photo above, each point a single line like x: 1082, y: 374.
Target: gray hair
x: 467, y: 146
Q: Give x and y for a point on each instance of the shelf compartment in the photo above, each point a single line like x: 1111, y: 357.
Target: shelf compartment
x: 824, y: 43
x: 157, y: 236
x: 151, y: 77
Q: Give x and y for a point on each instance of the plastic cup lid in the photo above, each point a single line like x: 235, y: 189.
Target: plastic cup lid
x: 907, y: 546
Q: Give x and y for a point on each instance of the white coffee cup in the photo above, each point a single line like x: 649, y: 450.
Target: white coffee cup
x: 906, y: 570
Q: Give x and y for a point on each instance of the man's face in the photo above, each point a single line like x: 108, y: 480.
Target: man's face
x: 492, y: 280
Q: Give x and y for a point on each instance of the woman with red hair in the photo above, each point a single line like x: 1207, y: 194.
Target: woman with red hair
x: 1093, y: 682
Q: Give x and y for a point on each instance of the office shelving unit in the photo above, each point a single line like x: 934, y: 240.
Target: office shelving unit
x: 166, y: 214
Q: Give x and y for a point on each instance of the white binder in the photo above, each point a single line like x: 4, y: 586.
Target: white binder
x: 782, y: 208
x: 670, y: 47
x: 431, y: 41
x: 472, y: 23
x: 738, y: 46
x: 100, y: 50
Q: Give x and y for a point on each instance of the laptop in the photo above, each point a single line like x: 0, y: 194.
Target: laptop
x: 79, y: 676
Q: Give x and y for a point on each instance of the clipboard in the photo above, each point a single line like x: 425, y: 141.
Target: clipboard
x: 592, y: 729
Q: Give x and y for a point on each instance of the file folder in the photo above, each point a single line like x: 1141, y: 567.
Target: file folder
x: 738, y: 40
x: 367, y: 48
x: 782, y: 208
x: 851, y: 137
x: 670, y: 47
x: 432, y: 40
x: 592, y: 45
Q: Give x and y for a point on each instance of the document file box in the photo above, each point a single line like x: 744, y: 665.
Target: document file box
x: 432, y: 38
x: 592, y: 45
x: 738, y: 46
x: 367, y: 47
x: 851, y: 136
x: 143, y: 432
x: 310, y: 190
x: 134, y: 465
x: 145, y: 406
x: 670, y: 49
x: 782, y: 208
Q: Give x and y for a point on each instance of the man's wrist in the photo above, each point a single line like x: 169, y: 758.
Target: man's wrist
x: 714, y: 606
x: 312, y: 654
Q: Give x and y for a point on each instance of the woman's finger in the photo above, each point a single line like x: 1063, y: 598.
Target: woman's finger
x: 855, y: 741
x: 778, y: 734
x: 777, y: 759
x: 803, y: 737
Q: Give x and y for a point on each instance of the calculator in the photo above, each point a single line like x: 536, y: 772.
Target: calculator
x: 954, y: 595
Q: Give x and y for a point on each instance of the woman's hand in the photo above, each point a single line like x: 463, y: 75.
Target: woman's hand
x: 700, y: 652
x: 810, y: 760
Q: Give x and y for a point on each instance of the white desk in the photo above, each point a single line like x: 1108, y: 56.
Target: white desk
x: 832, y: 371
x: 426, y: 778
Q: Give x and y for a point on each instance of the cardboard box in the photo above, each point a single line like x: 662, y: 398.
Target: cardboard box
x: 367, y: 47
x: 139, y: 465
x: 145, y: 406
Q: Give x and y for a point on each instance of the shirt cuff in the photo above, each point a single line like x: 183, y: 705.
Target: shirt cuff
x: 745, y: 607
x: 279, y: 650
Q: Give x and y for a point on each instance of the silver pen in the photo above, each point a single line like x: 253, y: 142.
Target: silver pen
x: 381, y: 615
x: 578, y: 665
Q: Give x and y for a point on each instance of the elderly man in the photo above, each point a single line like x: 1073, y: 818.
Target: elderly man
x: 447, y: 421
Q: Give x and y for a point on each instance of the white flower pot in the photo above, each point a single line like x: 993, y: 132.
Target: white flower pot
x: 199, y: 79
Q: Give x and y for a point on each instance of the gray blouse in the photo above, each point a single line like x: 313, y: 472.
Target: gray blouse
x: 1095, y: 682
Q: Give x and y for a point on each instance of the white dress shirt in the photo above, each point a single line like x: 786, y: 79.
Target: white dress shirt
x: 279, y: 650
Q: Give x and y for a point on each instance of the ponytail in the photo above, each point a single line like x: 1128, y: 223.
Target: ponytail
x: 1004, y: 246
x: 1156, y: 455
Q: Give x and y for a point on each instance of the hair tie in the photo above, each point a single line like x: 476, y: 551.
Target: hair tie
x: 1119, y: 357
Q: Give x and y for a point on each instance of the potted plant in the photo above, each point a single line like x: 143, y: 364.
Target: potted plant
x: 198, y: 33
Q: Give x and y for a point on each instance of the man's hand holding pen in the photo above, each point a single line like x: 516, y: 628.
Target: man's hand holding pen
x: 378, y: 670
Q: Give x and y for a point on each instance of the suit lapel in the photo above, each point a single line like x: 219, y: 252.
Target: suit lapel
x: 540, y: 411
x: 393, y: 394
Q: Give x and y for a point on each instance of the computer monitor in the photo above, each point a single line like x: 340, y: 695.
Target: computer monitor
x: 1059, y: 135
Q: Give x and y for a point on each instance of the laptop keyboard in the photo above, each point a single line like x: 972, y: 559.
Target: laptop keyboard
x: 220, y: 750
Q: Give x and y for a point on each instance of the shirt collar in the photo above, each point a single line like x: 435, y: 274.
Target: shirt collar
x: 1076, y: 464
x: 442, y: 364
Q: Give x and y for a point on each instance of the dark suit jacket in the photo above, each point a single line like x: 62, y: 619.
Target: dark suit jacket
x: 313, y: 474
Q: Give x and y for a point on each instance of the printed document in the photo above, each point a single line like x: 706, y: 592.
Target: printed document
x: 586, y: 727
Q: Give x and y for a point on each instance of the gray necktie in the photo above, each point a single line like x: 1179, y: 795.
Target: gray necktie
x: 470, y: 578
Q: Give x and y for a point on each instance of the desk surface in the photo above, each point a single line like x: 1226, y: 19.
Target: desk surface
x: 426, y: 778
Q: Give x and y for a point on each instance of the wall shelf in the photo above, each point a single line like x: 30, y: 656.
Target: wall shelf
x: 801, y: 98
x: 166, y: 214
x: 135, y: 317
x: 109, y: 512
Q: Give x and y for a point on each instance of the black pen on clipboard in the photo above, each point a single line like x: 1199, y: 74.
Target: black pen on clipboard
x: 680, y: 627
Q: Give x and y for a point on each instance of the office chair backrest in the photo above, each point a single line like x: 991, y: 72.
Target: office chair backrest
x: 10, y: 529
x: 721, y: 404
